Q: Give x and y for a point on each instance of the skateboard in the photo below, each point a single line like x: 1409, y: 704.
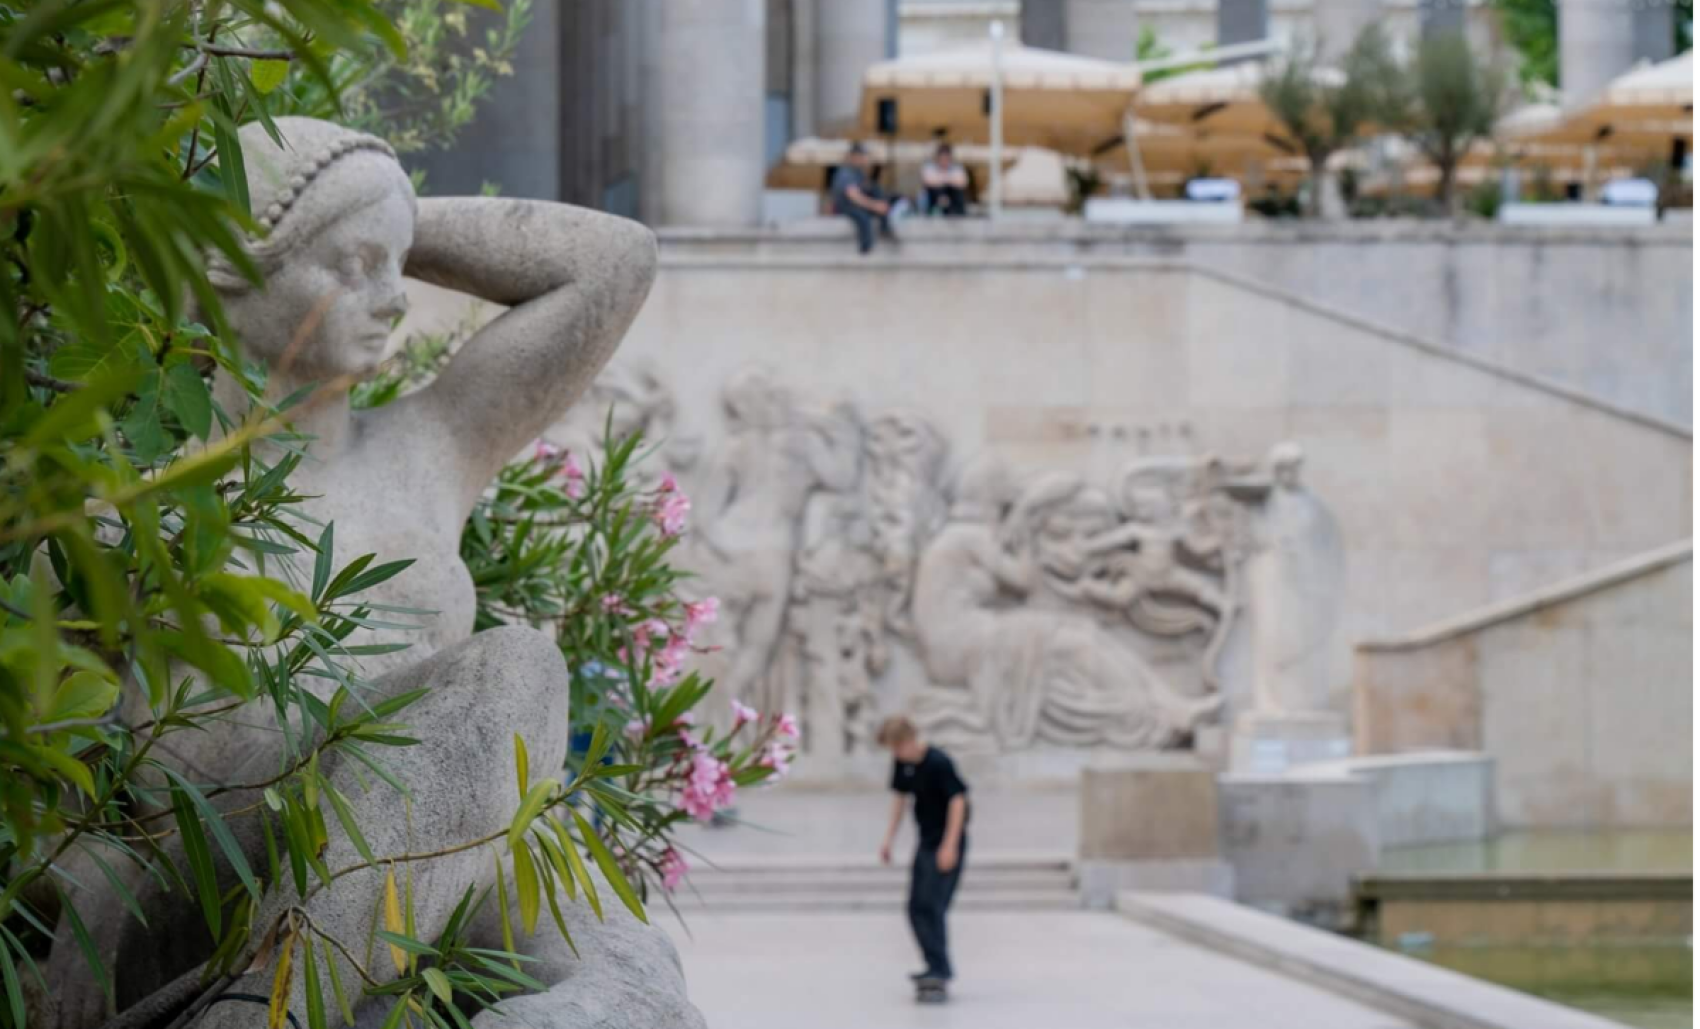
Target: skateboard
x: 932, y: 991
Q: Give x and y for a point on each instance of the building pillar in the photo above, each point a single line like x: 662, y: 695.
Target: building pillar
x: 850, y: 35
x: 1338, y: 23
x: 1596, y: 43
x: 514, y: 139
x: 1241, y: 21
x: 709, y: 110
x: 1044, y: 24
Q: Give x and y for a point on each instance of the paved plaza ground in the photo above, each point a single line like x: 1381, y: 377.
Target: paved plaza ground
x: 1016, y: 970
x: 1024, y: 969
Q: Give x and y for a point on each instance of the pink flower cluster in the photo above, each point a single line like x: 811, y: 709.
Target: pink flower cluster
x: 546, y: 453
x: 673, y: 869
x: 672, y: 508
x: 709, y: 787
x: 780, y: 750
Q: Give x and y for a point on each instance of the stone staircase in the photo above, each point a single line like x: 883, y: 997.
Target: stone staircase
x: 993, y: 882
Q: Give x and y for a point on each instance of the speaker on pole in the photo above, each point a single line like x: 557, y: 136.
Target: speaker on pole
x: 888, y: 116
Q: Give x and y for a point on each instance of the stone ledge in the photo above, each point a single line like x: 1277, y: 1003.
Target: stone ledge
x: 1529, y: 603
x: 1430, y: 997
x: 1499, y: 886
x: 1075, y: 232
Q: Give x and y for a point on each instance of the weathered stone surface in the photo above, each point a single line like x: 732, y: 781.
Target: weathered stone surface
x: 397, y: 482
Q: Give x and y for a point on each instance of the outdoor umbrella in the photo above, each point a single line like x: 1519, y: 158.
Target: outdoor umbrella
x: 1221, y: 102
x: 1058, y: 101
x: 1655, y: 98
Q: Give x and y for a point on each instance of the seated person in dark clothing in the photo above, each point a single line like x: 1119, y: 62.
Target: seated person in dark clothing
x: 856, y: 197
x: 945, y: 183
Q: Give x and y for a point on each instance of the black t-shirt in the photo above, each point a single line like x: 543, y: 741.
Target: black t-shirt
x: 933, y: 781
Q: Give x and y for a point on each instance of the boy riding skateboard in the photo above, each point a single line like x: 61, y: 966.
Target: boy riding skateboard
x: 926, y: 774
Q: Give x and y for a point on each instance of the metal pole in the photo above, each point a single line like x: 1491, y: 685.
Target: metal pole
x: 996, y: 206
x: 1140, y: 186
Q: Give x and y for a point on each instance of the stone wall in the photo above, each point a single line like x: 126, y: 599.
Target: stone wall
x: 1582, y: 692
x: 1605, y: 311
x: 826, y: 411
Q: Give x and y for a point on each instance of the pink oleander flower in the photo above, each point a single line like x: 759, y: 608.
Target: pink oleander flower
x: 645, y: 633
x: 615, y: 604
x: 689, y: 740
x: 699, y: 613
x: 686, y: 718
x: 673, y: 869
x: 786, y: 725
x: 544, y: 452
x: 776, y: 756
x: 742, y: 715
x: 708, y: 788
x: 673, y: 508
x: 637, y: 728
x: 670, y: 662
x: 574, y: 476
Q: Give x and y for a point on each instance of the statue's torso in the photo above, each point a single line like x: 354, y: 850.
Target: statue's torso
x: 398, y: 503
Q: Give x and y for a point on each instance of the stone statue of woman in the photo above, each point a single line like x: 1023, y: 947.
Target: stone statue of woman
x: 342, y: 228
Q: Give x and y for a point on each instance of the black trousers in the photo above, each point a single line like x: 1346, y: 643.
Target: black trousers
x: 949, y: 201
x: 930, y: 891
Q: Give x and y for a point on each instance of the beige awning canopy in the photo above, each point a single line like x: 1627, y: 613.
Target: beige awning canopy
x: 1536, y: 135
x: 1220, y: 101
x: 807, y: 161
x: 1173, y: 148
x: 1644, y: 108
x: 1062, y: 102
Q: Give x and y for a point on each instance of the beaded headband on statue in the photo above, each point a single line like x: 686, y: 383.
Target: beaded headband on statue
x: 280, y: 205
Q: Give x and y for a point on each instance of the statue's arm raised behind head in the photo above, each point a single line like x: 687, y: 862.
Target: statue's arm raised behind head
x: 574, y: 279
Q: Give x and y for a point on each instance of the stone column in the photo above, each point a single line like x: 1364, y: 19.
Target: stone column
x: 514, y: 140
x: 803, y: 73
x: 1338, y: 23
x: 1596, y: 43
x: 709, y: 110
x: 850, y: 35
x: 1044, y: 24
x: 1241, y: 21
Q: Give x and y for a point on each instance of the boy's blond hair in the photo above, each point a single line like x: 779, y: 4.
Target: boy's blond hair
x: 894, y: 730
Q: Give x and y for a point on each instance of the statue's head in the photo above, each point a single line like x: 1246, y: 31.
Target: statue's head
x: 984, y: 490
x: 754, y: 398
x: 1286, y: 463
x: 337, y: 212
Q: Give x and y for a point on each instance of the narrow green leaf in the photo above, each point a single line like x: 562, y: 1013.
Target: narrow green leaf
x: 91, y: 954
x: 502, y: 906
x: 610, y: 867
x: 439, y: 984
x: 525, y: 884
x: 124, y: 895
x: 310, y: 982
x: 221, y: 833
x: 569, y: 850
x: 407, y: 943
x: 345, y: 815
x: 522, y: 769
x: 14, y: 989
x: 336, y: 985
x: 535, y: 801
x: 199, y: 855
x: 186, y: 396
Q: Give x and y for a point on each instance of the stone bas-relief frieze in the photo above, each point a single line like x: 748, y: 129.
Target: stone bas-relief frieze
x: 865, y: 569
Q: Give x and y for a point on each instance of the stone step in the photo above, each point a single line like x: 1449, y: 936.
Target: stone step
x: 852, y: 882
x: 883, y: 900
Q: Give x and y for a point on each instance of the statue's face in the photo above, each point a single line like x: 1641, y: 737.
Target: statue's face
x: 1065, y: 532
x: 328, y: 310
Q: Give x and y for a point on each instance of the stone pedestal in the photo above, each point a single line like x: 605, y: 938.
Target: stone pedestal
x: 1269, y: 744
x: 1149, y: 823
x: 1296, y: 840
